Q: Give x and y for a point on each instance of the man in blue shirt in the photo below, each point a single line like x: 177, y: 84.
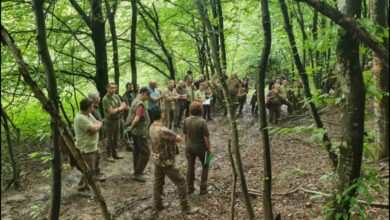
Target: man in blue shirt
x: 154, y: 100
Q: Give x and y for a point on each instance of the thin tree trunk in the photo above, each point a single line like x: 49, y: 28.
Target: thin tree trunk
x: 133, y: 42
x: 50, y: 108
x: 15, y: 170
x: 214, y: 11
x: 318, y: 67
x: 234, y: 180
x: 353, y: 93
x: 381, y: 71
x: 303, y: 76
x: 267, y: 176
x: 115, y: 54
x: 351, y: 25
x: 221, y: 34
x: 229, y: 104
x: 51, y: 84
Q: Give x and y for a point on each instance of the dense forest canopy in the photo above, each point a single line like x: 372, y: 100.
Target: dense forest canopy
x: 339, y: 63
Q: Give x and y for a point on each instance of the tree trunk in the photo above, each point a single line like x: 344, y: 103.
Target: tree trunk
x: 381, y: 71
x: 351, y: 25
x: 15, y: 170
x: 303, y: 76
x: 221, y: 34
x: 229, y: 104
x: 115, y: 56
x: 318, y: 67
x: 133, y: 39
x: 51, y: 84
x: 353, y: 93
x: 50, y: 108
x: 96, y: 24
x: 214, y: 11
x: 267, y: 176
x: 99, y: 41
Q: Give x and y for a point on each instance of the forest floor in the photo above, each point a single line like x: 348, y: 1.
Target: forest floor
x: 297, y: 166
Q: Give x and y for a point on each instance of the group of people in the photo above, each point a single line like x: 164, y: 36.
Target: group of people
x: 146, y: 116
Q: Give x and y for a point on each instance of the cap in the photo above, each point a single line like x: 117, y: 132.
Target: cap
x: 144, y: 89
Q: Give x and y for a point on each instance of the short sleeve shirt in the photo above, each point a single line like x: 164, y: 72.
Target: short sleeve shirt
x: 163, y: 144
x: 85, y: 141
x: 113, y: 101
x: 199, y: 95
x: 195, y: 129
x: 153, y: 104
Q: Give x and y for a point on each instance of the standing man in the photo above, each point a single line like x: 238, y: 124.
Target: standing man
x: 273, y: 102
x: 190, y: 88
x: 113, y: 109
x: 214, y: 86
x: 95, y: 98
x: 181, y: 102
x: 244, y: 92
x: 287, y: 96
x: 127, y: 98
x: 233, y: 89
x: 169, y: 96
x: 138, y: 122
x: 154, y: 100
x: 189, y: 74
x: 87, y: 136
x: 202, y: 78
x: 163, y: 142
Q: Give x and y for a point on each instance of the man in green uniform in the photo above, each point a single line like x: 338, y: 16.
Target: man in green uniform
x: 138, y: 123
x: 168, y: 108
x: 127, y: 98
x: 87, y: 136
x: 113, y: 108
x: 163, y: 156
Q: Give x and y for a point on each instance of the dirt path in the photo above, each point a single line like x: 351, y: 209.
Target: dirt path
x: 295, y: 163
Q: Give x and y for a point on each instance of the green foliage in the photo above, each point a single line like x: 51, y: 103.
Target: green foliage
x: 316, y: 134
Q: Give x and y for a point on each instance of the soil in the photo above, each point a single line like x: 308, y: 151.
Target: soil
x: 297, y: 166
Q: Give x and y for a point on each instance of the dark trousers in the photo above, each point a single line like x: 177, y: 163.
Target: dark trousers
x: 168, y: 118
x: 177, y: 178
x: 274, y: 114
x: 191, y: 156
x: 112, y: 131
x: 242, y: 101
x: 188, y: 109
x: 207, y: 112
x: 90, y: 161
x: 141, y: 154
x: 179, y: 110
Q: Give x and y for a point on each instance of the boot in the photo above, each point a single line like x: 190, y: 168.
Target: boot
x: 190, y: 210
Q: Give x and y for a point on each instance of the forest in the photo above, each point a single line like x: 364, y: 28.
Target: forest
x: 269, y: 109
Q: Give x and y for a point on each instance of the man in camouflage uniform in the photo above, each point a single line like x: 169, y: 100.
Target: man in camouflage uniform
x: 113, y: 108
x: 169, y: 96
x: 138, y: 123
x: 287, y: 96
x: 214, y: 86
x: 273, y: 103
x: 234, y: 85
x: 163, y: 156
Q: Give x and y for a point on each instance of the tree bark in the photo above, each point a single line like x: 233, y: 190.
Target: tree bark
x: 351, y: 25
x: 51, y: 84
x: 216, y: 32
x: 15, y: 170
x: 221, y: 34
x: 115, y: 54
x: 95, y: 22
x: 267, y: 176
x: 50, y: 108
x: 303, y: 76
x: 133, y: 39
x: 353, y: 93
x: 229, y: 104
x: 381, y: 71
